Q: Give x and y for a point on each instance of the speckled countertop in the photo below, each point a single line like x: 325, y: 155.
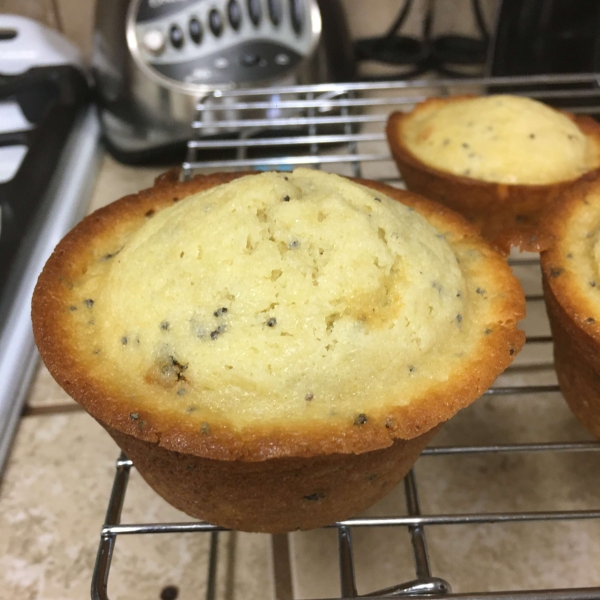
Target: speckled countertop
x: 55, y: 492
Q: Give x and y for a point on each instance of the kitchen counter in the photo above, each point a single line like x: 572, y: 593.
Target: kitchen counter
x: 56, y: 488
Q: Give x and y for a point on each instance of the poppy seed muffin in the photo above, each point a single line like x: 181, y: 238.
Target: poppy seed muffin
x: 499, y: 160
x: 571, y: 278
x: 275, y: 352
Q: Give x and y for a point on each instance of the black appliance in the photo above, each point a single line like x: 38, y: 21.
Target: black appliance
x: 546, y: 36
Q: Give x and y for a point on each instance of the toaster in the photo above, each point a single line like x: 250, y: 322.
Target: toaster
x: 154, y: 60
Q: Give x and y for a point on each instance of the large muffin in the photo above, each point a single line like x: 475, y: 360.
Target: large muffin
x: 275, y: 352
x: 501, y: 161
x: 571, y: 277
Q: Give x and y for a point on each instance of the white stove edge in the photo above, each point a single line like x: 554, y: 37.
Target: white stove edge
x: 64, y: 205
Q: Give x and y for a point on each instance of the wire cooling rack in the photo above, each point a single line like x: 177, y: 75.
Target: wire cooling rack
x: 340, y: 127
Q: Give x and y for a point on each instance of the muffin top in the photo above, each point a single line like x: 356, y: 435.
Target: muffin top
x: 572, y: 263
x: 276, y: 314
x: 503, y: 139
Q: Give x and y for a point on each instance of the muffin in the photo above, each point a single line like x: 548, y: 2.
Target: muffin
x: 501, y: 161
x: 273, y: 351
x: 571, y: 278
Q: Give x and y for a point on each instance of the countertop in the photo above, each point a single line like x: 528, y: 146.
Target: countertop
x: 56, y: 488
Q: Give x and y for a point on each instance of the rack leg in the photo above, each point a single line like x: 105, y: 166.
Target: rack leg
x: 419, y: 543
x: 108, y: 540
x: 211, y: 580
x: 347, y: 581
x: 282, y: 571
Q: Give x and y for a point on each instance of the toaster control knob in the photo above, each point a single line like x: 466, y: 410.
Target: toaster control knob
x: 249, y: 59
x: 254, y: 11
x: 275, y: 11
x: 176, y: 36
x: 297, y: 14
x: 196, y: 31
x: 234, y: 13
x: 154, y: 41
x: 215, y: 22
x: 282, y: 59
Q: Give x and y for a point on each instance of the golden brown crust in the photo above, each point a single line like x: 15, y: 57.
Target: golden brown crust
x: 574, y: 320
x: 494, y: 352
x: 277, y: 495
x: 506, y: 214
x: 576, y: 361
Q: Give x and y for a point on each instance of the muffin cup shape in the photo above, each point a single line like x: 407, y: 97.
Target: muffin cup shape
x: 277, y: 479
x: 277, y: 495
x: 506, y: 214
x: 574, y: 319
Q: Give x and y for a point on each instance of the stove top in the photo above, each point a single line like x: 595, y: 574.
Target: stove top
x: 46, y: 129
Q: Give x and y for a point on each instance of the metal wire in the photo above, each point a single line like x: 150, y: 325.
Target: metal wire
x: 337, y: 125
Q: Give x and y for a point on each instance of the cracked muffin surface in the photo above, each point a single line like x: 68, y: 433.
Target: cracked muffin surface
x: 277, y: 314
x: 501, y: 161
x: 501, y: 138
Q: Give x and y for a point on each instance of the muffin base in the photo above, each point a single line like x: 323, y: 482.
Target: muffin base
x: 277, y: 495
x: 577, y: 363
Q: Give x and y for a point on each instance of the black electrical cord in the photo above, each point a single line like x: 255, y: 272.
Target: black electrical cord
x: 481, y: 25
x: 393, y: 49
x: 426, y: 53
x: 461, y: 49
x: 401, y: 17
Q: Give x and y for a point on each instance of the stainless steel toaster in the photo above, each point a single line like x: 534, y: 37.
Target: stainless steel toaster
x: 153, y: 60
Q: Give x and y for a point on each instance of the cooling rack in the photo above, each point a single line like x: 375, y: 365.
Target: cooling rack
x: 340, y: 127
